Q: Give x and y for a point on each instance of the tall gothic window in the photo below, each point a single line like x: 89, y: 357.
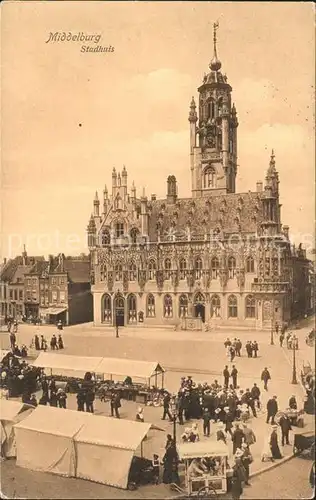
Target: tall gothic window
x: 152, y: 270
x: 215, y: 267
x: 167, y: 269
x: 250, y: 265
x: 118, y: 272
x: 134, y: 235
x: 131, y: 309
x: 132, y: 271
x: 183, y: 306
x: 151, y: 312
x: 231, y: 267
x: 198, y: 268
x: 232, y: 307
x: 103, y: 273
x: 209, y: 177
x: 250, y: 307
x: 119, y: 229
x: 106, y: 308
x: 215, y: 306
x: 167, y: 306
x: 105, y: 237
x: 183, y: 269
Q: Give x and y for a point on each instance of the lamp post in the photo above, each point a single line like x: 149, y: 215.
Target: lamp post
x: 173, y: 408
x: 294, y: 347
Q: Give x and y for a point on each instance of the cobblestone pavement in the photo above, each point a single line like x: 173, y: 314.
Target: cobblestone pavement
x: 202, y: 356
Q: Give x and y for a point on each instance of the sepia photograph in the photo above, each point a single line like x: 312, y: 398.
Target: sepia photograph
x: 157, y: 250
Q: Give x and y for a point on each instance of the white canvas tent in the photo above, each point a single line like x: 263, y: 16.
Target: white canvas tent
x: 3, y: 353
x: 120, y: 367
x: 44, y: 440
x: 105, y: 448
x: 11, y: 412
x: 66, y: 365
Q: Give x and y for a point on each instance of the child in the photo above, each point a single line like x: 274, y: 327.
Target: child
x: 156, y: 468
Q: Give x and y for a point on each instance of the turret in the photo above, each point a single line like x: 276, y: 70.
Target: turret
x: 124, y: 177
x: 105, y: 199
x: 144, y: 214
x: 171, y: 189
x: 91, y: 230
x: 114, y: 178
x: 192, y: 119
x: 96, y: 205
x: 271, y: 206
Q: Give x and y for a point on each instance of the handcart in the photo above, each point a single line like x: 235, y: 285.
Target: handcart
x: 206, y: 469
x: 304, y: 443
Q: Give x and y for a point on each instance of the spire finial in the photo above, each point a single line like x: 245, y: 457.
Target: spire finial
x: 215, y: 64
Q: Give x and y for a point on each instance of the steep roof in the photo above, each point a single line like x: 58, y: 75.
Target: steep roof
x: 39, y: 268
x: 231, y: 211
x: 78, y: 270
x: 15, y: 268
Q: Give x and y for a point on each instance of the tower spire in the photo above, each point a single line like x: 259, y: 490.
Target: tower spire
x: 215, y: 64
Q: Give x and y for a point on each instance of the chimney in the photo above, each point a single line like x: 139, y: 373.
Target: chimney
x: 4, y: 261
x: 153, y: 197
x: 259, y: 186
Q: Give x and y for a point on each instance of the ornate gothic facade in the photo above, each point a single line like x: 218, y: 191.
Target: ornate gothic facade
x: 218, y: 257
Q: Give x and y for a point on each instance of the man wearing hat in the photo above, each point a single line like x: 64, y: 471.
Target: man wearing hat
x: 246, y: 461
x: 226, y: 376
x: 272, y: 409
x: 237, y: 438
x: 249, y: 435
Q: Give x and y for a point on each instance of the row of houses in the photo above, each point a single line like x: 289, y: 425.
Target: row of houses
x: 57, y: 289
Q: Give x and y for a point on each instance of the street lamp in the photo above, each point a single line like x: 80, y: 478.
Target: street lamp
x: 294, y: 347
x: 173, y: 407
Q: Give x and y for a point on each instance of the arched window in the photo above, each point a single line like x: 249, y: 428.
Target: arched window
x: 167, y: 269
x: 250, y: 307
x: 134, y: 235
x: 119, y: 229
x: 167, y: 307
x: 198, y: 265
x: 183, y: 306
x: 103, y: 273
x: 151, y: 312
x: 231, y: 267
x: 106, y: 308
x: 132, y: 271
x: 105, y: 237
x: 152, y: 270
x: 118, y: 272
x: 131, y: 309
x: 215, y: 306
x: 199, y: 298
x: 183, y: 269
x: 250, y: 265
x: 215, y: 267
x: 232, y: 307
x: 119, y: 203
x: 209, y: 177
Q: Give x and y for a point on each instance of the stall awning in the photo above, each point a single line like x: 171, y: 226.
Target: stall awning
x: 10, y: 409
x: 61, y: 363
x: 3, y: 353
x: 129, y: 367
x: 202, y: 449
x: 55, y: 310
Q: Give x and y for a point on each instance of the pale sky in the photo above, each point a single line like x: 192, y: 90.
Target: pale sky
x: 133, y: 105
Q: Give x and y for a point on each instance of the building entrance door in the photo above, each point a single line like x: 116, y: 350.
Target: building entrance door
x: 119, y: 310
x: 200, y: 311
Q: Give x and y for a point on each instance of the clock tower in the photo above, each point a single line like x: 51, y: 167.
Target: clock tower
x: 213, y: 134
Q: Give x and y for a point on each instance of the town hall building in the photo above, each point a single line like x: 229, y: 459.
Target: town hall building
x: 217, y: 258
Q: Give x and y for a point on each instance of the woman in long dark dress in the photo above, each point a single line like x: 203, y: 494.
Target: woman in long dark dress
x: 274, y: 445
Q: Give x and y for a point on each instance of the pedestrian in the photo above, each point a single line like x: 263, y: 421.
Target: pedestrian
x: 249, y: 435
x: 232, y: 353
x: 255, y: 349
x: 237, y: 438
x: 206, y: 422
x: 265, y: 377
x: 285, y: 424
x: 81, y: 397
x: 246, y: 459
x: 53, y: 398
x: 233, y: 375
x: 220, y: 435
x: 33, y: 400
x: 281, y: 339
x: 293, y: 403
x: 12, y: 340
x: 90, y: 397
x: 238, y: 348
x: 166, y: 407
x: 255, y: 394
x: 228, y: 421
x: 169, y: 441
x: 180, y: 408
x: 115, y: 404
x: 272, y: 409
x: 37, y: 343
x: 53, y: 343
x: 239, y: 475
x: 60, y: 342
x: 227, y: 343
x: 248, y: 349
x: 226, y: 376
x: 140, y: 415
x: 274, y: 445
x: 156, y: 468
x: 61, y: 398
x: 266, y: 453
x: 250, y: 402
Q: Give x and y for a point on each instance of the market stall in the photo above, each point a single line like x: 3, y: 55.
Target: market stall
x: 11, y: 413
x: 103, y: 443
x: 66, y: 365
x: 149, y: 371
x: 44, y: 440
x: 206, y: 466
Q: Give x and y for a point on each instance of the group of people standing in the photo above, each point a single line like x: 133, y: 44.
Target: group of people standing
x: 40, y: 343
x: 233, y: 348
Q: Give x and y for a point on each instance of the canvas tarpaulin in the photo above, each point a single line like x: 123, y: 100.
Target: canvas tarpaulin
x: 11, y: 412
x: 133, y: 368
x: 45, y: 442
x: 66, y: 365
x: 105, y: 448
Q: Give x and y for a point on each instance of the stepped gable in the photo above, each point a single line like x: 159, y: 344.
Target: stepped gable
x: 234, y: 212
